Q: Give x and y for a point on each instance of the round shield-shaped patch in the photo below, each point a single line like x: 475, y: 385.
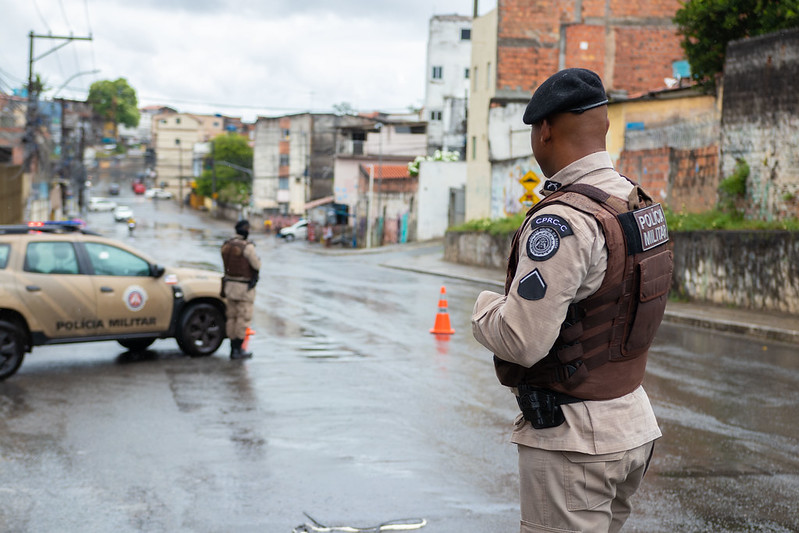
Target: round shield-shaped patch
x: 135, y: 297
x: 543, y: 243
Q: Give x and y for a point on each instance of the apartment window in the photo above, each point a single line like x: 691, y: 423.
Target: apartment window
x: 466, y: 73
x: 177, y: 121
x: 438, y: 73
x: 466, y: 34
x: 474, y: 80
x: 285, y: 133
x: 163, y: 121
x: 283, y: 183
x: 488, y: 75
x: 435, y: 115
x: 284, y: 160
x: 474, y: 147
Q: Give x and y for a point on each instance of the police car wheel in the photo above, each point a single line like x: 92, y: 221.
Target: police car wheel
x: 136, y: 345
x: 202, y: 329
x: 289, y: 237
x: 12, y: 349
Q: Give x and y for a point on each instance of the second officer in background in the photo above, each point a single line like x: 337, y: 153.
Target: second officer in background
x: 238, y: 286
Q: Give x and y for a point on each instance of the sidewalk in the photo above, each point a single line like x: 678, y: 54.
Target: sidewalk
x: 427, y: 258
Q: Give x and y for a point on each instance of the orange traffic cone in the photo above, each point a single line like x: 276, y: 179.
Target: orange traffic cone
x: 442, y: 318
x: 247, y: 335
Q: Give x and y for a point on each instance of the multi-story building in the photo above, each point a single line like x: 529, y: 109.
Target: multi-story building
x: 174, y: 137
x: 449, y: 49
x: 633, y: 46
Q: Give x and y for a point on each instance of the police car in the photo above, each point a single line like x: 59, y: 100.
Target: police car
x: 60, y: 283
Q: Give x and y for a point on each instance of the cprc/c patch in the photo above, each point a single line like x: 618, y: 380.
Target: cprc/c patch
x: 544, y: 241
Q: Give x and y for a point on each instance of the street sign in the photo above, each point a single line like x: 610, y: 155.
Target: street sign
x: 529, y: 181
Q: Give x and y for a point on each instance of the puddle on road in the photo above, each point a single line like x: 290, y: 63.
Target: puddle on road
x: 313, y: 346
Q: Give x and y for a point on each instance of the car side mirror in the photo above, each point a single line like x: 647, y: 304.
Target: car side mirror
x: 157, y: 271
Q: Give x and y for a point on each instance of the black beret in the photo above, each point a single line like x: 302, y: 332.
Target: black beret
x: 242, y: 224
x: 572, y: 90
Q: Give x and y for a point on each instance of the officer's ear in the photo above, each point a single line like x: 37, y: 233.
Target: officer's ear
x: 545, y: 131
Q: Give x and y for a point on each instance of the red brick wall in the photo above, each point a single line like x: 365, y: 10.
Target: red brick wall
x: 694, y: 179
x: 684, y: 180
x: 650, y: 8
x: 522, y: 69
x: 644, y: 57
x: 593, y: 56
x: 635, y: 41
x: 649, y: 168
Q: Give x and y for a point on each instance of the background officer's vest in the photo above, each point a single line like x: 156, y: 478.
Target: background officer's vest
x: 236, y: 265
x: 603, y: 344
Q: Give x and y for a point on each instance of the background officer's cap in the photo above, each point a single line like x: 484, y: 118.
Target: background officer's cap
x: 242, y: 225
x: 573, y: 90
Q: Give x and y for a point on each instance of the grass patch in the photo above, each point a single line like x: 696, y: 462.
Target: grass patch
x: 724, y: 220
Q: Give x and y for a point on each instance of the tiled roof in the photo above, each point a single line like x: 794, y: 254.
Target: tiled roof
x: 388, y: 171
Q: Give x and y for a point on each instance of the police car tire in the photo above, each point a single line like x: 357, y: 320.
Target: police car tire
x: 136, y: 345
x: 12, y: 349
x: 289, y: 237
x: 203, y: 322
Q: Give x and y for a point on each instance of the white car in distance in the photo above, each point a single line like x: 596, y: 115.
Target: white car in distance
x: 122, y: 213
x: 98, y: 203
x: 158, y: 194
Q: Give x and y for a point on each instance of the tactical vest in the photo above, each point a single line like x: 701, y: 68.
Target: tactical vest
x: 602, y: 347
x: 236, y: 265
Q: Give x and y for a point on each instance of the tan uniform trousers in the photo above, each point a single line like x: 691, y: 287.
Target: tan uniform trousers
x: 239, y: 316
x: 567, y: 492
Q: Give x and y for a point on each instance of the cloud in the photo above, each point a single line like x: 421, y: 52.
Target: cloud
x: 235, y: 57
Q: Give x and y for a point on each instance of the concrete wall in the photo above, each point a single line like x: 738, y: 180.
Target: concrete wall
x: 760, y: 122
x: 435, y: 180
x: 756, y: 270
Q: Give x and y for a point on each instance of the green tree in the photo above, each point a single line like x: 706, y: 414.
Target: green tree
x: 706, y: 26
x: 232, y: 185
x: 115, y: 101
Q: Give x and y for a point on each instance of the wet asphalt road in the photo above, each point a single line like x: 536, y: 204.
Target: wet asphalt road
x: 352, y: 412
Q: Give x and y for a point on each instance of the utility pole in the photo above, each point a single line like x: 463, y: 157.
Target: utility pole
x: 31, y: 115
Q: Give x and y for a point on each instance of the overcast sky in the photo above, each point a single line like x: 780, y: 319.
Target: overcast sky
x: 235, y: 57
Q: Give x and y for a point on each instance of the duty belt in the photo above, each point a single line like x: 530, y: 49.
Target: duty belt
x: 541, y: 407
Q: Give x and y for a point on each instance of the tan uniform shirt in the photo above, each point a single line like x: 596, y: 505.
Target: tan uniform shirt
x: 238, y: 291
x: 523, y: 331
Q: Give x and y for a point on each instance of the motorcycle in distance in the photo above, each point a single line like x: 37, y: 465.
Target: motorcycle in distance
x: 131, y: 226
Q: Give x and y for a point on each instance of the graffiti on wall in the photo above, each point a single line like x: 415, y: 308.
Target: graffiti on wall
x: 515, y: 187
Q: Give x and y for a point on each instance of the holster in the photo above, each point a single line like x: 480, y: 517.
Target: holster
x: 541, y: 407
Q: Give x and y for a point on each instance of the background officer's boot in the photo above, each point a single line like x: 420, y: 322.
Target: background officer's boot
x: 235, y: 350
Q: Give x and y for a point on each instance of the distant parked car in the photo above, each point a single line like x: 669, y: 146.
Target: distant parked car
x: 113, y: 189
x: 159, y: 194
x: 298, y: 230
x: 139, y: 188
x: 122, y: 213
x: 98, y: 203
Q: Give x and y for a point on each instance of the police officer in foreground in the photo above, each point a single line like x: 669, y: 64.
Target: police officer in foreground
x: 588, y: 277
x: 238, y: 286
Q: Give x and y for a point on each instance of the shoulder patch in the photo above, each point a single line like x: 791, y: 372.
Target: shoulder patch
x: 543, y: 243
x: 552, y: 221
x: 532, y: 286
x: 645, y: 228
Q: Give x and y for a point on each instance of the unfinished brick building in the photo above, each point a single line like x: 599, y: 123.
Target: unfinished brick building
x: 631, y: 44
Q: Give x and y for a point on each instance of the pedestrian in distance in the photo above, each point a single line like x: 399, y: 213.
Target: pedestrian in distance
x: 242, y: 265
x: 586, y: 288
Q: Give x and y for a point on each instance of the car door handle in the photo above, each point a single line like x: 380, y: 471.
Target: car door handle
x: 106, y: 289
x: 32, y: 288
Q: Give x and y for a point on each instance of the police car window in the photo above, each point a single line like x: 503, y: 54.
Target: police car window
x: 51, y: 258
x: 4, y: 248
x: 112, y: 261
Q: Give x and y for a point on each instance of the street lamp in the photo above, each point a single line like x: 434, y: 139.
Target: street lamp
x: 180, y: 172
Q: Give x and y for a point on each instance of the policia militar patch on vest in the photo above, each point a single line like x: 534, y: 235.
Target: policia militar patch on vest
x: 644, y: 228
x: 544, y: 241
